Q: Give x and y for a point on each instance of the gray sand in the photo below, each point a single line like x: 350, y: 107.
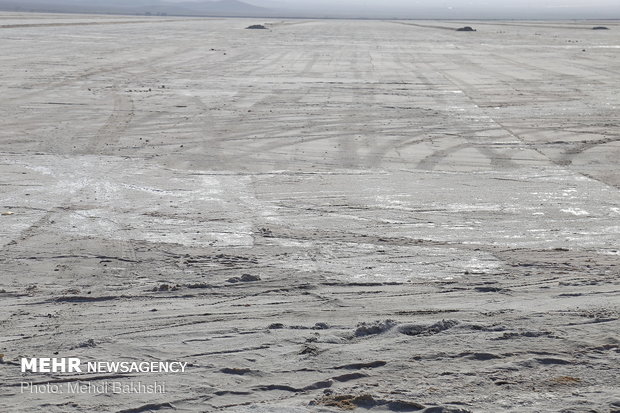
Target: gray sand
x: 326, y: 215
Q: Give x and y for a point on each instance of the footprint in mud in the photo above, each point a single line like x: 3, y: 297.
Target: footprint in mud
x: 166, y: 287
x: 552, y: 360
x: 480, y: 356
x: 85, y: 344
x: 282, y: 387
x: 491, y: 290
x: 350, y: 376
x: 316, y: 326
x: 321, y: 326
x: 265, y: 232
x: 233, y: 393
x: 427, y: 329
x: 221, y: 259
x: 245, y: 278
x: 527, y: 334
x: 359, y: 366
x: 309, y: 350
x: 544, y: 361
x: 238, y: 371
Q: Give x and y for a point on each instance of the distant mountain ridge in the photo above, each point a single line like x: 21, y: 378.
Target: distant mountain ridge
x: 141, y: 7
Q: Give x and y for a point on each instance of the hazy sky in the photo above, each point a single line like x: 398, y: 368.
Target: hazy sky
x: 462, y: 8
x: 434, y: 3
x: 460, y: 3
x: 456, y: 6
x: 448, y: 9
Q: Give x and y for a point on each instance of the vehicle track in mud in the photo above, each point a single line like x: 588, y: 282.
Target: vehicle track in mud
x: 361, y: 207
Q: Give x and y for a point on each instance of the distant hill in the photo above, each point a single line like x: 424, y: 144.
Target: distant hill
x: 140, y: 7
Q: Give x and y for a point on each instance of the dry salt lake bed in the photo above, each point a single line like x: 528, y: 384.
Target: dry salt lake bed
x: 318, y: 217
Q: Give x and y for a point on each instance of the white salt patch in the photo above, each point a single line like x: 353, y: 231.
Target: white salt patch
x: 575, y: 211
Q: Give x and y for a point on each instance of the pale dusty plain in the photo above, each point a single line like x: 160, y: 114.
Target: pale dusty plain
x: 456, y: 192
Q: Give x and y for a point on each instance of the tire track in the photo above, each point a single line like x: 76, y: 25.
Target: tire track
x: 502, y: 160
x: 118, y: 121
x: 569, y: 154
x: 431, y: 161
x: 47, y: 87
x: 379, y: 153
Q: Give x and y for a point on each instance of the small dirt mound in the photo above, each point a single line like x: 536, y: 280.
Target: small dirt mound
x: 466, y: 29
x: 365, y: 401
x: 566, y: 380
x: 371, y: 328
x: 256, y: 27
